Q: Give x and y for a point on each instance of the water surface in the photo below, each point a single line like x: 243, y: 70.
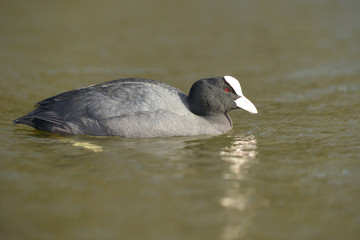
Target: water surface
x: 290, y: 172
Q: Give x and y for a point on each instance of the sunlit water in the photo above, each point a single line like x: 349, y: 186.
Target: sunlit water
x: 290, y: 172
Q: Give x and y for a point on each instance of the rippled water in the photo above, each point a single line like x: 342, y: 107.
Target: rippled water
x: 290, y: 172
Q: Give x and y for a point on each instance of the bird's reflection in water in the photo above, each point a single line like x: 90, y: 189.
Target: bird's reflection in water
x: 240, y: 156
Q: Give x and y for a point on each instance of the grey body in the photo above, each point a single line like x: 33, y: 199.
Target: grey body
x: 127, y: 108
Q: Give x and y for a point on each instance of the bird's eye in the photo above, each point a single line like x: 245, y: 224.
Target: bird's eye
x: 227, y: 89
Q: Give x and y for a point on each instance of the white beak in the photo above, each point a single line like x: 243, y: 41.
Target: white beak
x: 244, y: 103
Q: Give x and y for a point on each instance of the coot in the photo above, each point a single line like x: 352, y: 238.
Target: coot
x: 135, y: 107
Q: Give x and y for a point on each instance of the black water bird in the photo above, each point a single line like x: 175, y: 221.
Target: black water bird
x: 135, y: 107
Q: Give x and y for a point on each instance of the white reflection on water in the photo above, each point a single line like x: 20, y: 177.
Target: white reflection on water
x: 236, y: 200
x: 82, y: 144
x: 243, y: 149
x: 88, y: 146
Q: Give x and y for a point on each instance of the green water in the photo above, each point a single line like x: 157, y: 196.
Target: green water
x: 290, y: 172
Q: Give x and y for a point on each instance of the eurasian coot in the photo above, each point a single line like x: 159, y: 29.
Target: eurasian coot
x: 135, y: 107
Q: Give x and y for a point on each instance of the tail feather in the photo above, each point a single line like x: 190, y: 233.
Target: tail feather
x: 40, y: 120
x: 24, y: 120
